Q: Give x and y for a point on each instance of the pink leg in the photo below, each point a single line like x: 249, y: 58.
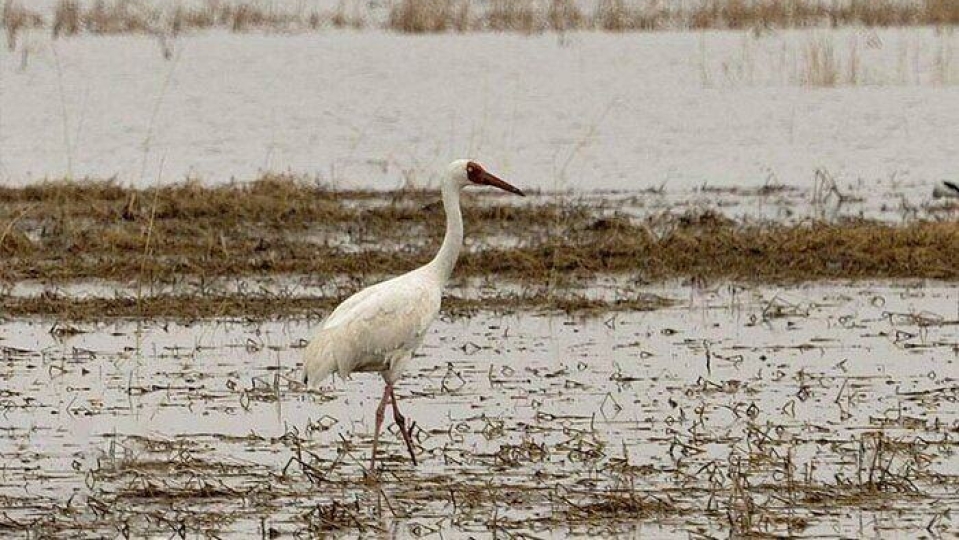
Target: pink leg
x: 401, y: 423
x: 380, y: 409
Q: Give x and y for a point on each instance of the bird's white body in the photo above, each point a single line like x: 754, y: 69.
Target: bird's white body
x: 378, y: 328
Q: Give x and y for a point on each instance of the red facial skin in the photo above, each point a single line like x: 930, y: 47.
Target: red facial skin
x: 478, y: 175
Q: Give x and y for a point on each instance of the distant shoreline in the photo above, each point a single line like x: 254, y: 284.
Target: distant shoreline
x: 70, y: 17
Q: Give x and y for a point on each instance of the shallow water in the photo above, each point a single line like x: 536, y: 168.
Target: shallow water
x: 527, y: 423
x: 583, y: 111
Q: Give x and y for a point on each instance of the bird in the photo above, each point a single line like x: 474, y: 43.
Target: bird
x: 378, y: 328
x: 946, y: 189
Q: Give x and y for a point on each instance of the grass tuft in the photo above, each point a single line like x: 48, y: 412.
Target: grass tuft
x: 424, y: 16
x: 15, y: 19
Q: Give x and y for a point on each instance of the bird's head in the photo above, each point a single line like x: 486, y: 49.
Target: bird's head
x: 465, y: 172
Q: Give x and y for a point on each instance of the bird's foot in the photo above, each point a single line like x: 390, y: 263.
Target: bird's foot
x: 408, y: 437
x: 406, y: 431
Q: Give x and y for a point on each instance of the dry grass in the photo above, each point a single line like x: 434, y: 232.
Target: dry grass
x: 514, y: 16
x: 423, y: 16
x: 622, y: 16
x: 941, y: 12
x: 563, y: 15
x: 128, y: 16
x: 118, y: 17
x: 822, y: 67
x: 15, y: 19
x: 102, y: 17
x: 748, y: 253
x: 526, y: 16
x: 66, y: 18
x: 263, y: 306
x: 831, y: 59
x: 64, y: 231
x: 803, y: 13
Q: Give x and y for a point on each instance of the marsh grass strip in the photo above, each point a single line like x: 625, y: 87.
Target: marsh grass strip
x: 65, y: 232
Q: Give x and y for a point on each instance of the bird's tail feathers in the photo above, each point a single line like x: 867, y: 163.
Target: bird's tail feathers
x: 315, y: 373
x: 317, y: 366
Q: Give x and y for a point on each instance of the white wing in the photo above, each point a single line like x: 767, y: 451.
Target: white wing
x: 373, y: 328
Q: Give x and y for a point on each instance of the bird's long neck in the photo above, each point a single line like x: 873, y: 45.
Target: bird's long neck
x: 445, y: 260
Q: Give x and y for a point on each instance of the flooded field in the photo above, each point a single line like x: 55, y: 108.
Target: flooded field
x: 811, y: 411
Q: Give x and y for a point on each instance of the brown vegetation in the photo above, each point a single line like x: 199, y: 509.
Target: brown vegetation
x: 15, y: 18
x: 627, y: 15
x: 409, y: 16
x: 62, y: 231
x: 630, y: 15
x: 261, y: 306
x: 125, y: 16
x: 421, y: 16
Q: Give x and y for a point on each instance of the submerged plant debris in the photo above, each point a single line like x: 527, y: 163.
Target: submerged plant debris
x: 802, y: 412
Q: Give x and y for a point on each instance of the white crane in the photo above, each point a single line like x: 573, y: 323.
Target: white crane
x: 378, y: 328
x: 946, y: 189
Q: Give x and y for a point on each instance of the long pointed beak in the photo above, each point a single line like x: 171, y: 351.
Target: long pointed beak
x: 491, y: 180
